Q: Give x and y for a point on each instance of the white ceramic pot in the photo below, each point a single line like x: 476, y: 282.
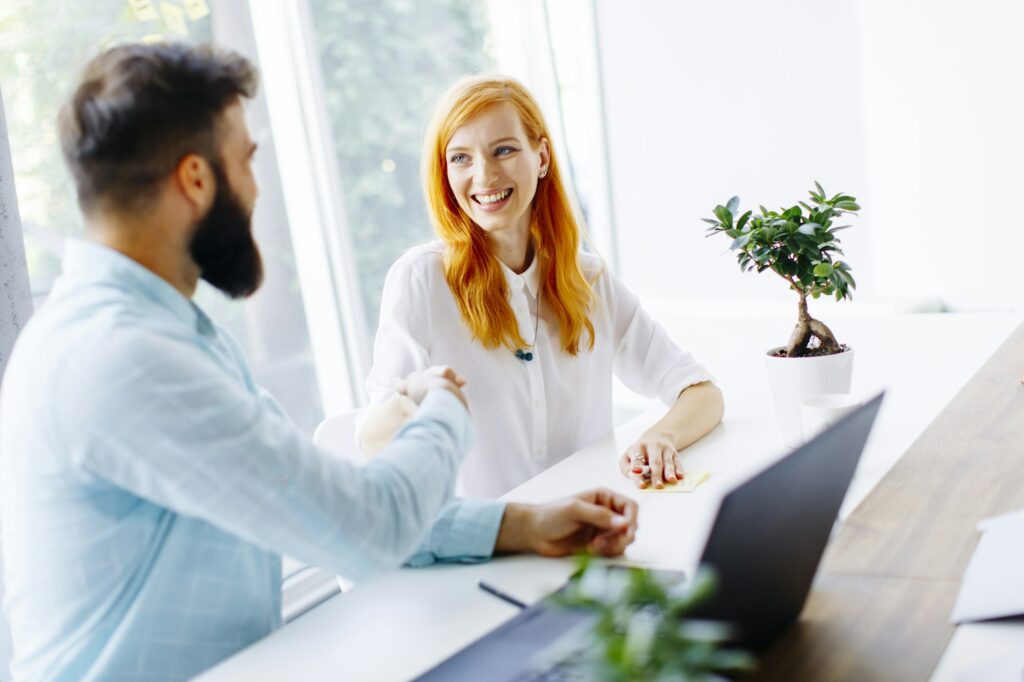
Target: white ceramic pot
x: 819, y: 412
x: 793, y: 380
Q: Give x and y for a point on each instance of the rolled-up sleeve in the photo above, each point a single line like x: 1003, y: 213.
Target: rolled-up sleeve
x: 646, y: 359
x: 190, y: 438
x: 464, y: 532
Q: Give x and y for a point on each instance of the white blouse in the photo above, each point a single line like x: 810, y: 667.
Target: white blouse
x: 527, y: 415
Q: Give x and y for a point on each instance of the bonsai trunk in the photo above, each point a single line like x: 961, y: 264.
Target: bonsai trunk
x: 806, y: 328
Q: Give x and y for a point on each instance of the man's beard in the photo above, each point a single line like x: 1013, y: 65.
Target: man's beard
x: 222, y: 245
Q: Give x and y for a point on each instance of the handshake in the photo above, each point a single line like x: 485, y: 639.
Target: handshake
x: 418, y: 384
x: 377, y: 425
x: 600, y: 521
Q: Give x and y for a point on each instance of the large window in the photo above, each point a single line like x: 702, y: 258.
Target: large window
x: 43, y: 45
x: 572, y: 40
x: 382, y: 64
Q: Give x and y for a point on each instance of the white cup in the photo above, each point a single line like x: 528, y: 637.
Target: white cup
x: 819, y: 412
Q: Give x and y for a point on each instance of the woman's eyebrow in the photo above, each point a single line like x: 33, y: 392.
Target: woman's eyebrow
x: 449, y: 150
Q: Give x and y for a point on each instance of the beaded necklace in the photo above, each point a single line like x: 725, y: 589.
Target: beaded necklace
x: 527, y: 355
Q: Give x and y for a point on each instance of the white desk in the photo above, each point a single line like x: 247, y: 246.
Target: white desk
x: 404, y: 622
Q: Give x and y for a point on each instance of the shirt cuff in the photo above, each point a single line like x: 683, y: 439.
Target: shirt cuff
x: 465, y: 531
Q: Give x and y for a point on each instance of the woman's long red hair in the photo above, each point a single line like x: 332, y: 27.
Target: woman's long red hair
x: 472, y: 271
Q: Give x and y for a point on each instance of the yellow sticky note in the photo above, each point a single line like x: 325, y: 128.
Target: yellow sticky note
x: 174, y: 17
x: 143, y: 10
x: 691, y: 479
x: 196, y: 9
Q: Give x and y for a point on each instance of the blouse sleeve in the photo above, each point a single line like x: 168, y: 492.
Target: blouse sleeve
x: 646, y: 359
x: 402, y: 346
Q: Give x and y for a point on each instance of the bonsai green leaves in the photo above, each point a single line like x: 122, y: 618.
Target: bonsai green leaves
x: 640, y: 632
x: 800, y: 245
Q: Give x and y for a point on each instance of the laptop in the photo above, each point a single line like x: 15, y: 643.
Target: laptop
x: 765, y: 545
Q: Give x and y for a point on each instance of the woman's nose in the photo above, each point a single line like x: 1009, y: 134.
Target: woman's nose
x: 485, y: 171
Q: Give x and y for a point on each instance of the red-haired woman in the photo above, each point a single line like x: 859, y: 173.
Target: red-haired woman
x: 507, y: 298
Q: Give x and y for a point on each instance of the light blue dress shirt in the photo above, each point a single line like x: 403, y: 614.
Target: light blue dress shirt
x: 149, y: 486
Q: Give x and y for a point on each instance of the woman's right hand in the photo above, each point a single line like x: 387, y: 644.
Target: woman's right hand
x: 418, y: 384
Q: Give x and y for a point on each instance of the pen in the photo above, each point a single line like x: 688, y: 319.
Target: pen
x: 501, y: 595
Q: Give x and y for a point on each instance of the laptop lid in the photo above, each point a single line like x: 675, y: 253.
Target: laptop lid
x: 771, y: 531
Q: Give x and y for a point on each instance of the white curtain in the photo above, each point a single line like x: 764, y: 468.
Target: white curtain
x: 15, y: 295
x: 15, y: 303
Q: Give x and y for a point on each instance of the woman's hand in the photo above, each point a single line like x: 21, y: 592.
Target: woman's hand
x: 418, y: 384
x: 652, y: 460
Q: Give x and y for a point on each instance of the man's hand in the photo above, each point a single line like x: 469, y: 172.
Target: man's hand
x: 600, y: 521
x: 652, y: 460
x: 418, y: 384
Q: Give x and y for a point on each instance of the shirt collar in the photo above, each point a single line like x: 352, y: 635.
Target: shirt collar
x: 87, y: 261
x: 530, y: 279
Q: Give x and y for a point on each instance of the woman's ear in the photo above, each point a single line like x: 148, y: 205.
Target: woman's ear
x: 544, y: 151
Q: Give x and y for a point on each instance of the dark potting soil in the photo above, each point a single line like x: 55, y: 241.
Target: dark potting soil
x: 811, y: 352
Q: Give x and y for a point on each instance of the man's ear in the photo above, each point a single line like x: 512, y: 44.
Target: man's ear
x: 197, y: 182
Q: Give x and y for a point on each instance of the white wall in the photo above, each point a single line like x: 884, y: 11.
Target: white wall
x: 945, y: 126
x: 914, y: 106
x: 710, y: 99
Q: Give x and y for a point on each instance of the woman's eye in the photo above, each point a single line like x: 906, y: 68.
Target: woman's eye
x: 504, y: 151
x: 458, y: 158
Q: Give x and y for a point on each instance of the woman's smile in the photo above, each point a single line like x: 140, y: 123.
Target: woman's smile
x: 493, y: 201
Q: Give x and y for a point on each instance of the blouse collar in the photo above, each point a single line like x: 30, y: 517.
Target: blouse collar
x: 530, y: 279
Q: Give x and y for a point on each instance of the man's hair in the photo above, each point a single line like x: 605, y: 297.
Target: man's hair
x: 139, y: 109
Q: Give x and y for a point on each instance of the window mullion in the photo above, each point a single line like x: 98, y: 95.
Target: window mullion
x: 320, y: 237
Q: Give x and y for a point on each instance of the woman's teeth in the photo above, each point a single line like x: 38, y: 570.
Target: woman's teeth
x: 493, y: 198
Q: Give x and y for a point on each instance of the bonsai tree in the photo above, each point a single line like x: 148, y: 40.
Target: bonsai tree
x: 640, y: 634
x: 799, y: 244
